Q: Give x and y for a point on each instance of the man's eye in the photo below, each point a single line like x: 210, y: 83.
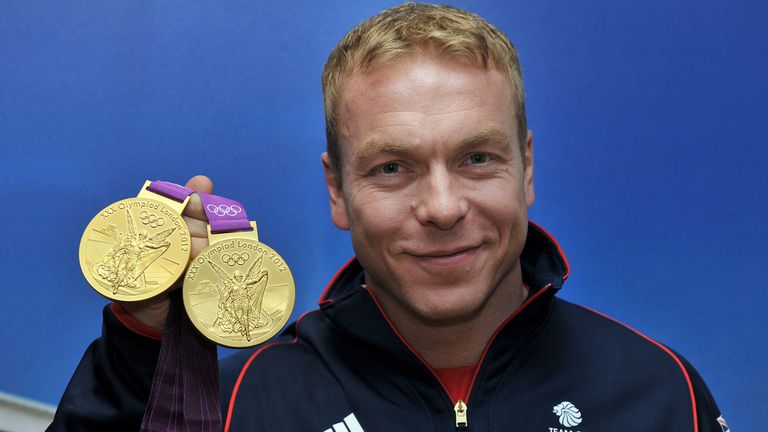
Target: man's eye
x: 478, y: 158
x: 390, y: 168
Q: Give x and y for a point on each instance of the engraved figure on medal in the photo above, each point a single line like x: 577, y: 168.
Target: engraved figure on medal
x: 238, y: 292
x: 240, y: 297
x: 124, y: 264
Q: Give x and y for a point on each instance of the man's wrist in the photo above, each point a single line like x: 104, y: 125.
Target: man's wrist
x: 140, y: 320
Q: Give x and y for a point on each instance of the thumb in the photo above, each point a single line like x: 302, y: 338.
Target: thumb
x: 198, y: 183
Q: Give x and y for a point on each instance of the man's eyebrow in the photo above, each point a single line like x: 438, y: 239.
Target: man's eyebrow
x: 375, y: 146
x: 493, y: 136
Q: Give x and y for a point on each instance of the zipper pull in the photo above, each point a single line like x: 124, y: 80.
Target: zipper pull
x: 461, y: 415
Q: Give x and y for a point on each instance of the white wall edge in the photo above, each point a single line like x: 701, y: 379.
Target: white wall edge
x: 19, y: 414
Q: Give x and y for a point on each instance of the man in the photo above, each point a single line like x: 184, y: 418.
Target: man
x: 446, y: 319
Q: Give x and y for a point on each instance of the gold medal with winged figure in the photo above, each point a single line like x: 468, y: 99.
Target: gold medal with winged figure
x: 135, y: 249
x: 238, y: 292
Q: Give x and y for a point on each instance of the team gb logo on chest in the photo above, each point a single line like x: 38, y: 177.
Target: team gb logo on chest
x: 568, y: 415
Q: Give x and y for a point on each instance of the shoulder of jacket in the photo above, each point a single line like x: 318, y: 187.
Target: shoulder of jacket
x: 603, y: 346
x: 609, y: 336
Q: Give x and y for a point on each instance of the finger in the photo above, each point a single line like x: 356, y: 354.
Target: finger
x: 198, y: 231
x: 194, y: 209
x: 197, y: 228
x: 198, y: 244
x: 200, y: 183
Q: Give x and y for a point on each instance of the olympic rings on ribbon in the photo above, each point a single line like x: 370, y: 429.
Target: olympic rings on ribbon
x: 224, y: 209
x: 151, y: 219
x: 235, y: 258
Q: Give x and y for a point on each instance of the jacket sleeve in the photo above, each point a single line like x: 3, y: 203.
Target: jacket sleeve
x: 707, y: 413
x: 111, y: 385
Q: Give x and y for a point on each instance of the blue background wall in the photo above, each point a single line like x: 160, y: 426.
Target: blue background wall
x: 649, y: 121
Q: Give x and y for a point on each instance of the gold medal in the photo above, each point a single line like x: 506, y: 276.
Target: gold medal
x: 136, y: 248
x: 238, y: 292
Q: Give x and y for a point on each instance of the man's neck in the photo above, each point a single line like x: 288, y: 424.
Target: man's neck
x: 460, y: 342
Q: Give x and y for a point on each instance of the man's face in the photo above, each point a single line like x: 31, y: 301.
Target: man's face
x: 434, y: 188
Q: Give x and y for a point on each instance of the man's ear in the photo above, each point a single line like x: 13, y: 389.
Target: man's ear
x: 338, y: 205
x: 530, y: 196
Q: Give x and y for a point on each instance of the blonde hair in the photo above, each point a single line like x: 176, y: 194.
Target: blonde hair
x: 405, y: 29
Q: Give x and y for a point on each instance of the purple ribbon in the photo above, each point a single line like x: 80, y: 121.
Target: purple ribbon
x: 224, y: 214
x: 185, y: 387
x: 170, y: 190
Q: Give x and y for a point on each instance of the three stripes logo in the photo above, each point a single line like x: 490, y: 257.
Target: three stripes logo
x: 723, y: 424
x: 350, y: 424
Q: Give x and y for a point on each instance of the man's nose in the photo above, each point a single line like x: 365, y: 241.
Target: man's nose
x: 441, y: 202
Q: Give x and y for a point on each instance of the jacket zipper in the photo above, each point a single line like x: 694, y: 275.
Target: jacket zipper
x: 461, y: 408
x: 461, y: 416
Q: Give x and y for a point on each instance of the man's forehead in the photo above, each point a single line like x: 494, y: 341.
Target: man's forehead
x: 412, y: 83
x: 360, y: 78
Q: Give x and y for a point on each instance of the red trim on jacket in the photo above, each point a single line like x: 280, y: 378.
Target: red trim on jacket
x: 135, y: 325
x: 669, y: 353
x: 247, y: 364
x: 323, y: 297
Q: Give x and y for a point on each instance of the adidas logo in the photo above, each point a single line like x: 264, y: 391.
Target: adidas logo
x: 723, y: 425
x: 350, y: 424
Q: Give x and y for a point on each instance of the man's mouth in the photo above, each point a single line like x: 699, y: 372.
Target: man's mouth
x: 446, y: 257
